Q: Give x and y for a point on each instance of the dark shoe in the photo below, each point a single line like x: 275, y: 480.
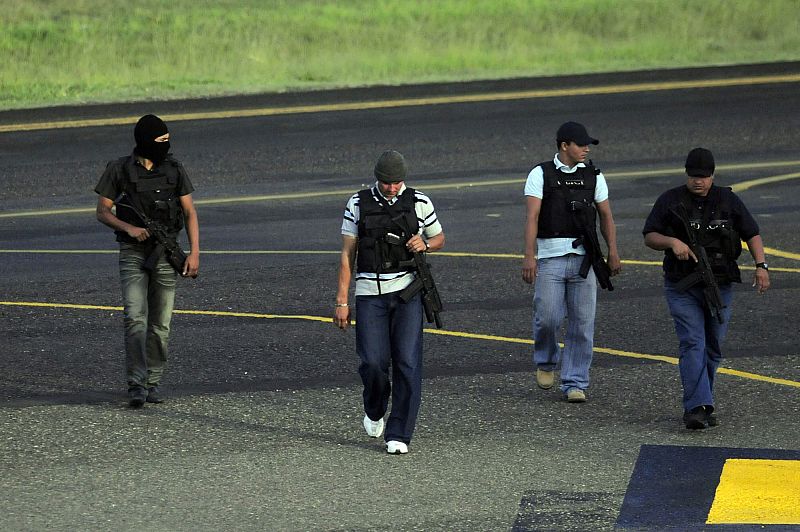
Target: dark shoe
x: 137, y: 395
x: 153, y: 396
x: 711, y: 419
x: 695, y: 418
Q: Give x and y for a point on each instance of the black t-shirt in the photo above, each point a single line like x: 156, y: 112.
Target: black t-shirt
x: 662, y: 220
x: 112, y: 184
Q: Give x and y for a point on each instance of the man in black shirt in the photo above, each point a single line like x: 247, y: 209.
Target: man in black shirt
x: 717, y: 220
x: 151, y: 182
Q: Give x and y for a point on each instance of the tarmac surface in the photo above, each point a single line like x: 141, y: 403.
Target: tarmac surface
x: 262, y: 425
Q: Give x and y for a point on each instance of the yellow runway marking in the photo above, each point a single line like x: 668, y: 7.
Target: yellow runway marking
x: 778, y: 253
x: 423, y: 101
x: 473, y: 336
x: 456, y: 254
x: 757, y: 491
x: 744, y: 185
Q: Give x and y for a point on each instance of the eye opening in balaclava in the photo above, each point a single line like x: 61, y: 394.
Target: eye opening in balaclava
x: 149, y: 128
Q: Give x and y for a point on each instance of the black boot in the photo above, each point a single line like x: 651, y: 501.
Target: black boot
x: 137, y: 395
x: 695, y: 418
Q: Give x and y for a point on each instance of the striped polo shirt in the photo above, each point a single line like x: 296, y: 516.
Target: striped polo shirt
x: 429, y: 226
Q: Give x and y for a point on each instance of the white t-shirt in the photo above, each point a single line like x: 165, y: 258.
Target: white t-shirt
x: 534, y: 186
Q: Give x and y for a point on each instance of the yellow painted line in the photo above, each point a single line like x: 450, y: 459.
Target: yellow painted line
x: 756, y: 377
x: 775, y: 252
x: 747, y: 185
x: 783, y: 254
x: 254, y: 315
x: 757, y: 492
x: 456, y: 254
x: 473, y: 336
x: 347, y: 192
x: 47, y: 212
x: 422, y: 101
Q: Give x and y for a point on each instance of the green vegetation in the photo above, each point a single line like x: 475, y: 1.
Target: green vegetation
x: 73, y: 51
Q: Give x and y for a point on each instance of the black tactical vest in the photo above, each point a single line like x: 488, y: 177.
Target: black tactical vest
x: 565, y: 194
x: 383, y: 231
x: 156, y: 194
x: 712, y: 227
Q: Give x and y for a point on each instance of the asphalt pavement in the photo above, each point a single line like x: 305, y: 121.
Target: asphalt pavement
x: 262, y: 425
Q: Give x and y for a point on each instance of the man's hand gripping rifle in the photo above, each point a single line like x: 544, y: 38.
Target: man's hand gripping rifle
x: 164, y: 242
x: 702, y: 272
x: 431, y: 302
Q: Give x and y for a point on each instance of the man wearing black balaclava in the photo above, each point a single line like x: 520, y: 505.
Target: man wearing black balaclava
x: 153, y: 198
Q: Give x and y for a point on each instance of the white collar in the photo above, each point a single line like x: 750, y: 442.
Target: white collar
x: 564, y: 168
x: 377, y: 191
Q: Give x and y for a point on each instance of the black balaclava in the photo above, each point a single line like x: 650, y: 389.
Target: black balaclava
x: 149, y: 128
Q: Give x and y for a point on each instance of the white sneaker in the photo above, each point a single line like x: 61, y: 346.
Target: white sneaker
x: 396, y: 447
x: 373, y: 428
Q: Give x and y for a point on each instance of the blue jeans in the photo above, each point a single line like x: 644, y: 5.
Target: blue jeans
x: 701, y: 337
x: 148, y: 300
x: 390, y: 331
x: 561, y: 292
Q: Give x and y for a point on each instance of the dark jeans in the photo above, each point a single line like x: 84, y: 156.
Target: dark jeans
x: 148, y: 300
x: 700, y: 336
x: 390, y: 331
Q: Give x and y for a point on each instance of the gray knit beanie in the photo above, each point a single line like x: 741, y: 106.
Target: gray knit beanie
x: 391, y: 167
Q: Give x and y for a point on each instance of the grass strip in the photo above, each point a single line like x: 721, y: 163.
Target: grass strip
x: 79, y: 51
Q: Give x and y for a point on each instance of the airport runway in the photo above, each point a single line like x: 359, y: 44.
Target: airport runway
x: 262, y: 427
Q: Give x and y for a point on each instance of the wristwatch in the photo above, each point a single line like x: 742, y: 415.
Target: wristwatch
x: 762, y: 265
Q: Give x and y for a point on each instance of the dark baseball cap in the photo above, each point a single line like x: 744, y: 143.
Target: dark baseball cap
x: 574, y: 132
x: 391, y: 167
x: 700, y: 163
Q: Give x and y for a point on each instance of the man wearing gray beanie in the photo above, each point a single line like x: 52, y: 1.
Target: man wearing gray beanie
x: 383, y: 227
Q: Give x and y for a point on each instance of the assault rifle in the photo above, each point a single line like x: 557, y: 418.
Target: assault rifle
x: 431, y: 302
x: 594, y: 253
x: 165, y: 243
x: 702, y: 272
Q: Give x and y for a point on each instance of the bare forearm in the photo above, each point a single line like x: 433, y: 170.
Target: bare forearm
x: 531, y: 231
x: 347, y: 262
x: 609, y: 231
x: 106, y: 217
x: 435, y: 243
x: 756, y: 247
x: 193, y: 231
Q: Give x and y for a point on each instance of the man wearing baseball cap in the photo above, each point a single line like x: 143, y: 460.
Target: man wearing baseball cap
x: 562, y: 197
x: 383, y: 227
x: 700, y: 217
